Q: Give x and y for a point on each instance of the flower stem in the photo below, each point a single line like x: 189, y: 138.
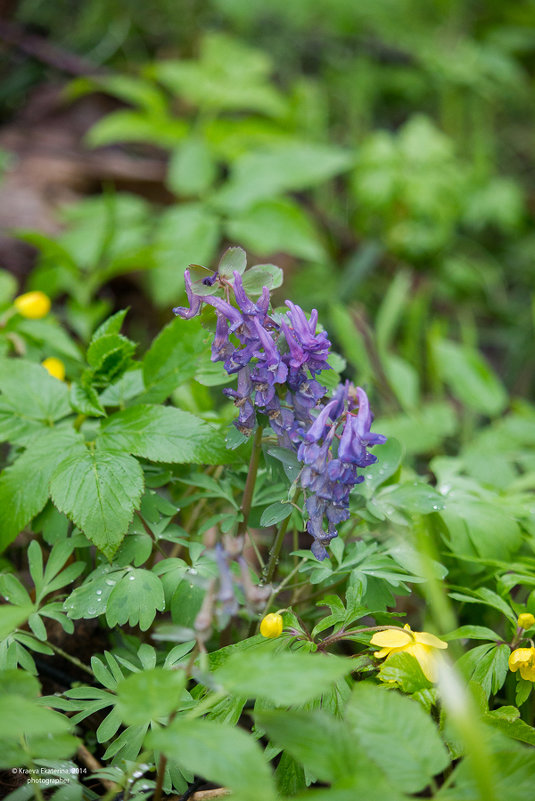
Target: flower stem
x: 274, y: 553
x: 70, y: 658
x: 248, y: 491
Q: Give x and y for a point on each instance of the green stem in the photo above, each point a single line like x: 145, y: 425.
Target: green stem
x: 60, y: 652
x: 271, y: 567
x: 248, y: 491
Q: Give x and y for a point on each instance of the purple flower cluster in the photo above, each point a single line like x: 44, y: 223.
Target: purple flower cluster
x: 277, y: 363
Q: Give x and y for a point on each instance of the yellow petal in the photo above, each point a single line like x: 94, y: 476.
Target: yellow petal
x: 271, y: 625
x: 55, y: 367
x: 526, y: 620
x: 426, y: 659
x: 429, y: 639
x: 392, y: 638
x: 527, y: 671
x: 33, y: 305
x: 519, y: 657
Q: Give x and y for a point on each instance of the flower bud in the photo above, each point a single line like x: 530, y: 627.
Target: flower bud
x: 526, y: 620
x: 55, y: 367
x: 33, y: 305
x: 271, y: 626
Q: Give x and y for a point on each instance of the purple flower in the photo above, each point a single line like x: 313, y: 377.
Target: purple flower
x: 195, y: 301
x: 357, y: 436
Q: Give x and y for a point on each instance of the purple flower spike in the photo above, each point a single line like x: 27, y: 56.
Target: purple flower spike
x: 330, y: 437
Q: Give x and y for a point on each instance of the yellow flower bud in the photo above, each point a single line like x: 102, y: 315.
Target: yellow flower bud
x: 33, y: 305
x: 526, y: 620
x: 271, y: 625
x: 55, y: 367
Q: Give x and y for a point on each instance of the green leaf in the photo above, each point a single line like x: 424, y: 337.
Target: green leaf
x: 469, y: 377
x: 192, y: 169
x: 480, y: 527
x: 282, y: 678
x: 150, y: 695
x: 24, y: 486
x: 472, y: 633
x: 90, y: 599
x: 320, y: 742
x: 110, y: 326
x: 11, y: 617
x: 275, y: 513
x: 135, y: 599
x: 109, y: 356
x: 84, y: 400
x: 285, y: 167
x: 164, y: 434
x: 173, y: 358
x: 233, y: 260
x: 271, y: 226
x: 21, y: 717
x: 396, y: 734
x: 220, y: 753
x: 32, y: 391
x: 261, y: 275
x: 507, y: 720
x: 99, y: 490
x: 389, y: 457
x: 18, y: 682
x: 8, y: 286
x: 404, y: 669
x: 487, y: 665
x: 421, y: 431
x: 136, y: 126
x: 415, y: 497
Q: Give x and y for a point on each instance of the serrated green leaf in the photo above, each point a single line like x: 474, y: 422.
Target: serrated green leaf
x: 84, y: 400
x: 32, y: 392
x: 164, y: 434
x: 99, y: 490
x: 173, y: 358
x: 396, y: 734
x: 24, y: 486
x: 108, y: 356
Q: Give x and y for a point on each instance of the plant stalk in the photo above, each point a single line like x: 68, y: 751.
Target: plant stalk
x: 248, y: 491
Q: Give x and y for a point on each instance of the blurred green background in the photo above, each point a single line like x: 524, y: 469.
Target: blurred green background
x: 381, y: 153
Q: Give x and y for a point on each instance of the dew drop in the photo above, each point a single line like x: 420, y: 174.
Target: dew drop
x: 110, y: 582
x: 99, y: 592
x: 131, y: 578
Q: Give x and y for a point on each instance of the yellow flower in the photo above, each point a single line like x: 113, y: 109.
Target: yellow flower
x: 271, y: 625
x: 525, y: 620
x: 55, y: 367
x: 33, y: 305
x: 419, y: 644
x: 523, y: 659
